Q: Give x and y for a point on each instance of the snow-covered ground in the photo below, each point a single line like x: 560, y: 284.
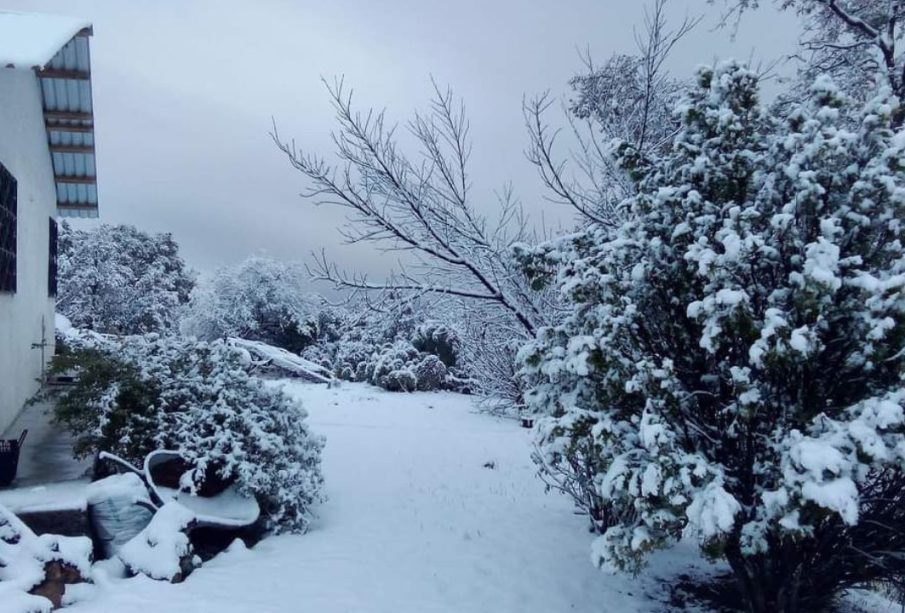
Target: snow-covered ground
x: 434, y: 508
x: 415, y: 522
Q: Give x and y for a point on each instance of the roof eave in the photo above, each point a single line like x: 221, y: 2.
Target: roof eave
x: 66, y: 93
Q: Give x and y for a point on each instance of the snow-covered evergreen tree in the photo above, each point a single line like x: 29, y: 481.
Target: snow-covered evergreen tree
x: 120, y: 280
x: 732, y: 369
x: 259, y: 299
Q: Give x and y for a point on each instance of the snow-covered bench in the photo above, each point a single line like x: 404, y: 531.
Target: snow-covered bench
x: 267, y: 355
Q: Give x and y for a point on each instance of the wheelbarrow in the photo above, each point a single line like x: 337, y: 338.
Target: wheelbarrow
x: 9, y: 458
x: 225, y: 508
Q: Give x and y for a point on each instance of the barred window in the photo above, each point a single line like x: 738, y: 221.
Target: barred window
x: 7, y: 231
x: 52, y: 259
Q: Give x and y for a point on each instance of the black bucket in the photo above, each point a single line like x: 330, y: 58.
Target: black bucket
x: 9, y: 458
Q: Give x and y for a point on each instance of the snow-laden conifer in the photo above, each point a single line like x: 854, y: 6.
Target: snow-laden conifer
x: 732, y: 368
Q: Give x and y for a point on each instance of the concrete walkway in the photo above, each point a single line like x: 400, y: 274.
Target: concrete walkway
x: 46, y: 455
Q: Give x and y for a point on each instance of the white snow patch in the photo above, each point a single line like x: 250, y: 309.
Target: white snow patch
x: 414, y: 522
x: 157, y: 549
x: 30, y: 40
x: 712, y: 512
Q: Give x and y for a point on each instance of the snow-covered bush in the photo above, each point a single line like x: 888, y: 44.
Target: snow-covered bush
x: 119, y: 280
x: 350, y: 358
x: 441, y: 340
x: 732, y: 368
x: 138, y: 394
x: 431, y: 374
x: 400, y: 367
x: 260, y: 299
x: 393, y: 367
x: 397, y: 348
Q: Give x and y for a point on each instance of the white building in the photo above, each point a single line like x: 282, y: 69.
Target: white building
x: 46, y: 170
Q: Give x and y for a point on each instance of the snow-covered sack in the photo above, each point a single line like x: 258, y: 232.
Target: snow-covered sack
x: 120, y: 509
x: 732, y: 365
x: 138, y: 394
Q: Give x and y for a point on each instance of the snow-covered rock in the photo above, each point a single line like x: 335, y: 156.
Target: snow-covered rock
x: 162, y: 550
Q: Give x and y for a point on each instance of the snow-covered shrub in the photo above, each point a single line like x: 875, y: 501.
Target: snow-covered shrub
x: 401, y: 380
x: 119, y: 280
x: 438, y: 339
x: 569, y: 459
x: 732, y: 367
x: 393, y: 367
x: 260, y: 299
x: 431, y: 373
x: 138, y: 394
x: 352, y: 359
x: 397, y: 349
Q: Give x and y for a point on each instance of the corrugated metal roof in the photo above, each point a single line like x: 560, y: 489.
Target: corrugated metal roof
x: 69, y: 117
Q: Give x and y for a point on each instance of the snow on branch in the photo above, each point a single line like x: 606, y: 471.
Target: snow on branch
x: 419, y: 203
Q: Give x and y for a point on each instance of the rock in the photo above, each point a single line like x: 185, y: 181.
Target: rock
x: 57, y: 575
x: 163, y: 551
x: 65, y: 522
x: 41, y: 565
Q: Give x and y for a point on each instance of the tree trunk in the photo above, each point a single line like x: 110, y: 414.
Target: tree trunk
x: 772, y: 584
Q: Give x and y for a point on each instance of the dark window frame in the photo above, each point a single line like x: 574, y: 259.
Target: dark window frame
x: 8, y: 231
x: 52, y: 257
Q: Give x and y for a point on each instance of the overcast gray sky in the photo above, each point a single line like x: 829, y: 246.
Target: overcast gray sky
x: 184, y: 91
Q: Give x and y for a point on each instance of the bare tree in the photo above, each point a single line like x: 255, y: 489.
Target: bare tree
x: 629, y: 100
x: 420, y: 204
x: 857, y: 42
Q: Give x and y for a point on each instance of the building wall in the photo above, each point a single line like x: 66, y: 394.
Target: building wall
x: 23, y: 151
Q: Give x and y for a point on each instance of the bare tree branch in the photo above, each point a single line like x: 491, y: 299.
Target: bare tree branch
x: 419, y: 204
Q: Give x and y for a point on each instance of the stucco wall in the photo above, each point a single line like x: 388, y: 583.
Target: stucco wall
x: 23, y: 150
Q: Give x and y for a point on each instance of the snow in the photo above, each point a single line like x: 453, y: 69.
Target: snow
x: 822, y: 263
x: 63, y: 326
x: 158, y: 549
x: 839, y: 495
x: 799, y: 340
x: 128, y: 486
x: 414, y: 522
x: 228, y: 508
x: 284, y: 359
x: 62, y: 496
x: 712, y: 512
x: 29, y: 40
x: 23, y: 557
x: 21, y: 602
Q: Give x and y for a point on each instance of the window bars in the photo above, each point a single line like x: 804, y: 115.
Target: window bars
x: 52, y: 257
x: 8, y: 209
